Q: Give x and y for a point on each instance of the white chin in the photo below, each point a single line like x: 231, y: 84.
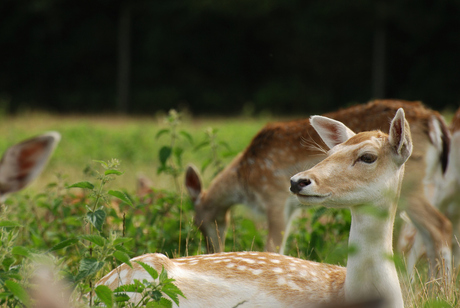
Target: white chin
x: 312, y: 199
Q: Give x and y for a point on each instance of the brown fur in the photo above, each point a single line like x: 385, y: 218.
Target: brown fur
x: 455, y: 125
x: 260, y: 175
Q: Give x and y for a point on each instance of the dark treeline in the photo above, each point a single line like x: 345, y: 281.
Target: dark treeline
x: 218, y: 57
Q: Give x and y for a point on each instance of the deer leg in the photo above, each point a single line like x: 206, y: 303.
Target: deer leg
x: 277, y: 228
x: 415, y: 252
x: 292, y: 210
x: 436, y: 232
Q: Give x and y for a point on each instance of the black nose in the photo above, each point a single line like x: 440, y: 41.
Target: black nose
x: 296, y: 186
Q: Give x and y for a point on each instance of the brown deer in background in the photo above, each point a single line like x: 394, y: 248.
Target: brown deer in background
x: 445, y: 191
x: 257, y: 176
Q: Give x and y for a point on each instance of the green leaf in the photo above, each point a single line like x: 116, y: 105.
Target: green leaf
x: 105, y: 295
x: 103, y: 163
x: 436, y: 303
x: 152, y: 272
x: 136, y: 286
x: 120, y: 240
x: 123, y: 257
x: 122, y: 196
x: 7, y: 262
x: 97, y: 218
x: 5, y: 295
x: 178, y: 154
x: 84, y: 184
x: 21, y: 251
x: 95, y: 239
x: 122, y: 248
x: 165, y: 153
x: 111, y: 171
x: 225, y: 145
x: 63, y: 244
x: 187, y: 136
x: 163, y: 274
x: 9, y: 224
x: 161, y: 132
x: 163, y: 303
x: 121, y: 297
x: 88, y: 267
x: 205, y: 164
x: 201, y: 145
x: 173, y: 292
x: 18, y: 291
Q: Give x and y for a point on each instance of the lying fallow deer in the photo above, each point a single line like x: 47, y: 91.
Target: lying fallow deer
x: 257, y: 177
x: 362, y: 172
x: 23, y: 162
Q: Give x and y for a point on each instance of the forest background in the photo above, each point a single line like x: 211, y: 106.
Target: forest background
x: 226, y: 57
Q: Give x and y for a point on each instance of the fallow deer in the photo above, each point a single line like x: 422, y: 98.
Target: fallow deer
x: 257, y: 176
x: 360, y: 172
x: 24, y: 161
x: 445, y: 196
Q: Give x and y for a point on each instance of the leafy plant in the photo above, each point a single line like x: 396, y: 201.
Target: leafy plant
x: 170, y: 156
x: 150, y: 292
x: 215, y: 158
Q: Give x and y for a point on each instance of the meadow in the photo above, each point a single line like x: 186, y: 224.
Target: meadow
x: 83, y: 233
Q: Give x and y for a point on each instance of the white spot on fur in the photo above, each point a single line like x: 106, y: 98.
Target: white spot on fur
x: 278, y: 270
x: 275, y: 261
x: 257, y: 271
x: 293, y: 286
x: 250, y: 261
x: 281, y: 280
x: 242, y: 267
x: 230, y: 265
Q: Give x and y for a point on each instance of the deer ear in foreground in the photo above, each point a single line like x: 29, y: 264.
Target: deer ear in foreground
x: 364, y: 171
x: 23, y: 162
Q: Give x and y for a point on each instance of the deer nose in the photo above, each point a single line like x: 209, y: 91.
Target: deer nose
x: 297, y: 185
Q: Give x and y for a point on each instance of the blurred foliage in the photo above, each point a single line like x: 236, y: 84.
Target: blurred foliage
x: 219, y: 56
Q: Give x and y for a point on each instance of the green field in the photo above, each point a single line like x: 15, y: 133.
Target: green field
x: 49, y: 214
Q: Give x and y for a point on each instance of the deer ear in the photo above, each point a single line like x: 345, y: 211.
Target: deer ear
x: 400, y: 137
x: 193, y: 182
x: 23, y: 162
x: 331, y: 131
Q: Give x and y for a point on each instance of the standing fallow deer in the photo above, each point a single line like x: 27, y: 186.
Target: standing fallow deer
x: 257, y: 176
x: 445, y: 196
x: 23, y: 162
x: 362, y: 172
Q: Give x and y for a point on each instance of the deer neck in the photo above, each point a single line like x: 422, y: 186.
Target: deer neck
x: 224, y: 191
x: 371, y: 272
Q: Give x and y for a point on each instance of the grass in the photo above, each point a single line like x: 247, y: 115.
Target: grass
x: 131, y: 140
x: 165, y: 224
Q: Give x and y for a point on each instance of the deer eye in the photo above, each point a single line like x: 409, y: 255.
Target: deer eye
x: 368, y: 158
